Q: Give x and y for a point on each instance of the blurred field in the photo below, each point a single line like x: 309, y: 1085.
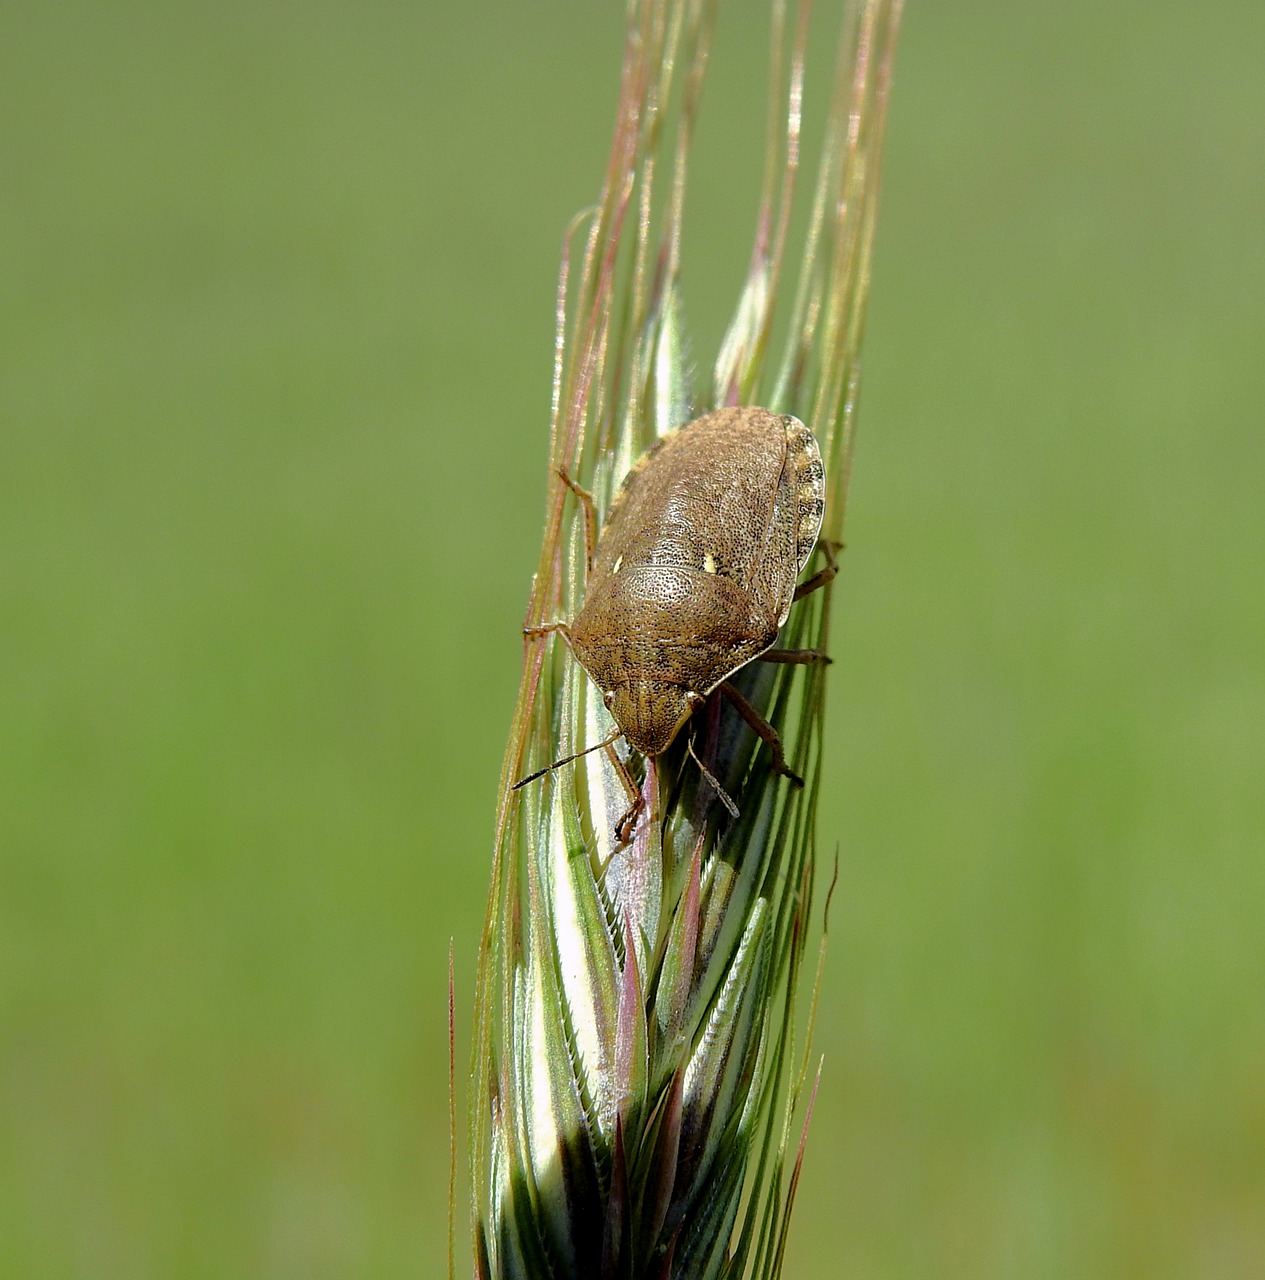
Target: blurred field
x: 275, y: 310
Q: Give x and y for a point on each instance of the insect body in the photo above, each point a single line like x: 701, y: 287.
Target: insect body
x: 695, y: 570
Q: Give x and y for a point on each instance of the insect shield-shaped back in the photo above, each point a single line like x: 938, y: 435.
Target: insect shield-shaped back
x: 695, y: 568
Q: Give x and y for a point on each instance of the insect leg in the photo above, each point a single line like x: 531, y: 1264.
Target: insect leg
x: 801, y: 656
x: 763, y: 729
x: 625, y: 827
x: 590, y: 517
x: 548, y: 628
x: 822, y: 576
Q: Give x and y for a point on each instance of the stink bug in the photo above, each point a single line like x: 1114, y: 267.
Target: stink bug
x: 695, y: 572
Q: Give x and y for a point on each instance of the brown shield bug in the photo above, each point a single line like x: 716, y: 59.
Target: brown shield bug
x: 695, y: 573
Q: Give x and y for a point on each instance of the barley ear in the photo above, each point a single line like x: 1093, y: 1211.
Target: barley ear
x: 641, y: 1070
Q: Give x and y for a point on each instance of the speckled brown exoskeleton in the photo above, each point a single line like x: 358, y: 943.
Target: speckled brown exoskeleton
x: 695, y: 573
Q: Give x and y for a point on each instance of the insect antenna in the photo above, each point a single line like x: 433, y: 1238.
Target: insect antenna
x: 540, y: 773
x: 720, y: 791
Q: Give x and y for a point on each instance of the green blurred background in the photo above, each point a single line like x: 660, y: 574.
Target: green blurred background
x: 275, y: 335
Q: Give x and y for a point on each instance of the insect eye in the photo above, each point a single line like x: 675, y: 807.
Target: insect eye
x: 694, y: 699
x: 608, y: 697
